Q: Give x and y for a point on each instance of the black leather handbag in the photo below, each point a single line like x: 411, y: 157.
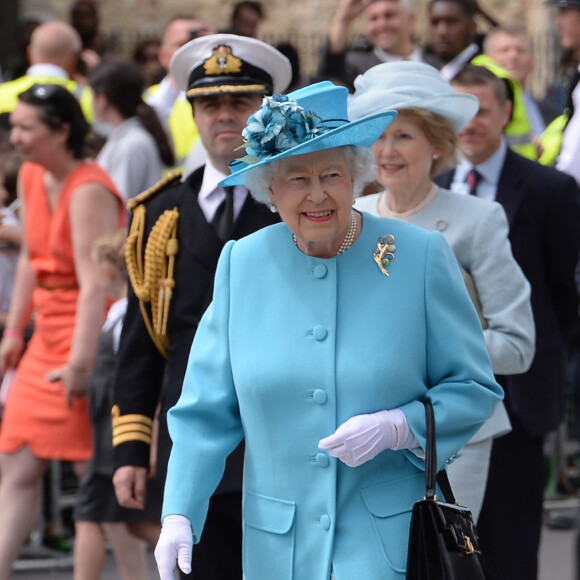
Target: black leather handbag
x: 443, y: 542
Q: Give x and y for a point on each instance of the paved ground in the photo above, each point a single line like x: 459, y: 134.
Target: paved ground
x: 557, y: 556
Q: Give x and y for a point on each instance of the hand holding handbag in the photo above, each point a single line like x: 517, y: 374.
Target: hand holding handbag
x: 443, y: 542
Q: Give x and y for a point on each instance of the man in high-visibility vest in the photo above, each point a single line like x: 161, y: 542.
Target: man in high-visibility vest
x: 168, y: 101
x: 53, y: 54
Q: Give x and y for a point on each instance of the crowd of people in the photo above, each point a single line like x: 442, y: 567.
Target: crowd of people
x: 213, y: 308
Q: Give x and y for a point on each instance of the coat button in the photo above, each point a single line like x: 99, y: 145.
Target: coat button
x: 325, y: 522
x: 320, y: 333
x: 319, y: 396
x: 322, y: 460
x: 320, y: 270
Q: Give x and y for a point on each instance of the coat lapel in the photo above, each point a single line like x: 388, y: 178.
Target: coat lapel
x: 510, y: 188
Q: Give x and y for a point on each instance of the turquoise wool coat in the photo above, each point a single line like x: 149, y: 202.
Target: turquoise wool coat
x: 291, y: 347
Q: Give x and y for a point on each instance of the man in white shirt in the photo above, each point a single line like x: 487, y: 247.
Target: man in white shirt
x: 389, y: 30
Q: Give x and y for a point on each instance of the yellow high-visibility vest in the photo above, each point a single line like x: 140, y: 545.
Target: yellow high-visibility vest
x: 10, y: 90
x: 518, y: 131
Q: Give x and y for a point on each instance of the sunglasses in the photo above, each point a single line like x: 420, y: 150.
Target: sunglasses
x: 46, y: 92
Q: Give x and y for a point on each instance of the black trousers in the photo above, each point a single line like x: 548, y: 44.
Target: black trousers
x: 510, y: 523
x: 218, y: 556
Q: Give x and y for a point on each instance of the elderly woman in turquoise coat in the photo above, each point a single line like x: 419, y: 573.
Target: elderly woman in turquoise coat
x: 325, y: 334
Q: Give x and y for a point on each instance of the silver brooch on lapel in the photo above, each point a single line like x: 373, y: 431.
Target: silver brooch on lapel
x: 384, y: 253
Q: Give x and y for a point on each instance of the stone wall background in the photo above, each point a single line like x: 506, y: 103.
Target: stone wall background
x: 302, y: 22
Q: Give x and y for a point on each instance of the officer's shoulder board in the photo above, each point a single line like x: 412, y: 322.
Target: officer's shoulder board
x: 162, y: 185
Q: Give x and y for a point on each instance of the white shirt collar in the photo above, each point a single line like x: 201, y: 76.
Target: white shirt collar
x: 455, y: 65
x: 385, y: 56
x: 211, y: 194
x: 46, y: 69
x: 490, y: 171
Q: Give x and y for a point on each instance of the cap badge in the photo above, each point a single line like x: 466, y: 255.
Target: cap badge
x: 222, y: 62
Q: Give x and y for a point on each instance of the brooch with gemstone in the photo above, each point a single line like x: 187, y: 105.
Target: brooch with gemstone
x: 384, y: 253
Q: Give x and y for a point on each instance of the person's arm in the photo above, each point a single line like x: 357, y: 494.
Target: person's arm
x: 333, y: 56
x: 20, y: 310
x: 10, y: 231
x: 93, y: 211
x: 460, y: 380
x: 340, y: 25
x: 504, y: 293
x: 136, y: 392
x: 204, y: 414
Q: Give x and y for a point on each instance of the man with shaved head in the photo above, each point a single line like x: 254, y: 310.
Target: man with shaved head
x: 53, y: 54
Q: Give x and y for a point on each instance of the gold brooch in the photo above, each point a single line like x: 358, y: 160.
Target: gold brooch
x: 384, y: 253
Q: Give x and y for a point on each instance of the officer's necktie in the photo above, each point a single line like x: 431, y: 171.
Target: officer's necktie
x: 473, y: 178
x: 223, y: 220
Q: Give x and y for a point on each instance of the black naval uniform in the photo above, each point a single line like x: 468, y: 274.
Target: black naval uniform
x: 142, y: 370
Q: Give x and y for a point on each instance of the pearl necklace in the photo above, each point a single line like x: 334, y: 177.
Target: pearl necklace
x: 348, y: 239
x: 386, y: 212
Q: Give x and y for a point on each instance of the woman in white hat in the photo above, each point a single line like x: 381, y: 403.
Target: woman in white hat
x: 325, y: 387
x: 415, y: 147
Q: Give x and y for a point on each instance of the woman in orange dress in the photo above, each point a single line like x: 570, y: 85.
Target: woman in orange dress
x: 67, y: 203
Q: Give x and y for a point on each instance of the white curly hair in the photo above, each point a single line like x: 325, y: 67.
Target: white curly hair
x: 361, y: 163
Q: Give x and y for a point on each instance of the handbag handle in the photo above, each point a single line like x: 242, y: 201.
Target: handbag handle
x: 431, y: 475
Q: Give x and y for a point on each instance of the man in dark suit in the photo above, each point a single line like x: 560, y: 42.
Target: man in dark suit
x: 178, y: 231
x: 541, y: 204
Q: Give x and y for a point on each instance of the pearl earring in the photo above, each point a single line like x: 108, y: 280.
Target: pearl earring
x: 435, y: 156
x: 273, y: 209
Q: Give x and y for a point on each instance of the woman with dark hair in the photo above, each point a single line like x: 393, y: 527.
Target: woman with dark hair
x: 67, y: 203
x: 137, y: 150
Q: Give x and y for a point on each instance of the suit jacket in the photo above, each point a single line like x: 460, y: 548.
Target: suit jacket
x: 294, y: 345
x: 542, y: 207
x: 141, y: 369
x: 344, y: 67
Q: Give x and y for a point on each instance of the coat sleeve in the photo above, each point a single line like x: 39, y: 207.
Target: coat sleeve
x: 207, y: 412
x: 504, y: 293
x: 460, y: 380
x: 561, y: 247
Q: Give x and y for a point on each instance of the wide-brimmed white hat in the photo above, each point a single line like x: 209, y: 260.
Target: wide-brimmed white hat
x: 406, y: 84
x: 309, y: 119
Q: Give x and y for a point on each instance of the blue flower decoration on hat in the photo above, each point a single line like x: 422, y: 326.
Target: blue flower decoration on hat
x: 278, y: 125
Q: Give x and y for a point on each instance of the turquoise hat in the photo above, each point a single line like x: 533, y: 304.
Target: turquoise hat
x: 310, y: 119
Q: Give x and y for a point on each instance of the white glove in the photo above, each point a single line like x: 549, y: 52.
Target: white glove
x: 363, y: 437
x: 174, y: 546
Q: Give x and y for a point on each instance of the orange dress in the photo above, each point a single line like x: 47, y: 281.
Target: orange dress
x: 36, y: 412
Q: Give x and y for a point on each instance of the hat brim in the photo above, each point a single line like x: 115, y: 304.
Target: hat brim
x: 458, y: 108
x: 360, y: 133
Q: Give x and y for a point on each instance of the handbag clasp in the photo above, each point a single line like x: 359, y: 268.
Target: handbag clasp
x: 469, y: 549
